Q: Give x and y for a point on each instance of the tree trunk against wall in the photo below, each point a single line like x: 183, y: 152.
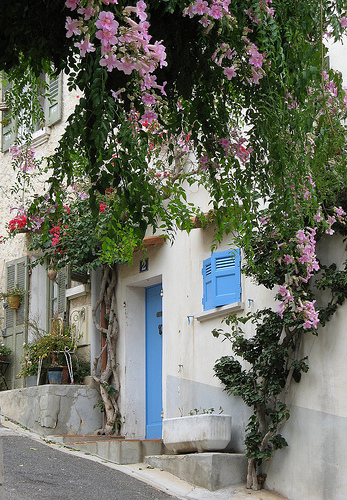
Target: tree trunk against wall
x: 108, y: 378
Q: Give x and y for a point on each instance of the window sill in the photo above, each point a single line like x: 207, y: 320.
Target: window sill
x: 77, y: 291
x: 40, y: 137
x: 220, y: 311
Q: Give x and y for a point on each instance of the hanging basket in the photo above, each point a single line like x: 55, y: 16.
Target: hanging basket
x: 13, y: 301
x: 52, y: 274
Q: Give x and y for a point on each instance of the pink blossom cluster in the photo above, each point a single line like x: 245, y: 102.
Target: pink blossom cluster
x: 125, y: 47
x: 263, y: 7
x: 332, y: 102
x: 291, y: 101
x: 309, y: 313
x: 256, y: 61
x: 236, y: 147
x: 231, y: 146
x: 305, y: 255
x: 23, y: 159
x: 216, y: 11
x: 184, y: 142
x: 306, y: 246
x: 209, y: 11
x: 222, y: 52
x: 339, y: 216
x: 18, y: 222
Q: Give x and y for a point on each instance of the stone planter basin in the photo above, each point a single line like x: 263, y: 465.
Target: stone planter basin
x: 197, y: 433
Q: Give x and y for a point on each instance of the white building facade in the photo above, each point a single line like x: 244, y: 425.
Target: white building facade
x: 166, y: 351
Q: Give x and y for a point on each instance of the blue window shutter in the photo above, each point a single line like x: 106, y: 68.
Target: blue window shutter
x: 226, y: 267
x: 207, y: 299
x: 222, y: 279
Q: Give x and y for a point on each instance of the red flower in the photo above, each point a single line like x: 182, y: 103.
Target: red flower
x: 102, y: 208
x: 18, y: 222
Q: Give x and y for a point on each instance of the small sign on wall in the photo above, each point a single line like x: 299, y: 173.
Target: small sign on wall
x: 143, y: 265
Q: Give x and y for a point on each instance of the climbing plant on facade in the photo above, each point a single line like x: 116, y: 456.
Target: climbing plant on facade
x: 267, y: 362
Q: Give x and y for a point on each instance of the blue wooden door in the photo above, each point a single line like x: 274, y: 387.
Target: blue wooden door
x: 153, y: 362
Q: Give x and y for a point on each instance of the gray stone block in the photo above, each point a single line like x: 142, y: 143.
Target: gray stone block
x: 207, y: 470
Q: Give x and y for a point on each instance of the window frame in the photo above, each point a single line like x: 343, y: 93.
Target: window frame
x: 52, y: 106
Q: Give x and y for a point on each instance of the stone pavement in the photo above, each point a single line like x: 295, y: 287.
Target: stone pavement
x: 29, y: 474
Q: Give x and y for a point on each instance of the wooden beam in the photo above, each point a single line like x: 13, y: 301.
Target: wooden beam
x: 3, y: 106
x: 197, y: 223
x: 150, y: 241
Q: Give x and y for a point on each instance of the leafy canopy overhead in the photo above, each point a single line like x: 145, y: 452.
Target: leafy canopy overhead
x: 243, y: 85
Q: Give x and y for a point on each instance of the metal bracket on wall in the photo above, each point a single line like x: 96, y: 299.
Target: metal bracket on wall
x: 188, y: 317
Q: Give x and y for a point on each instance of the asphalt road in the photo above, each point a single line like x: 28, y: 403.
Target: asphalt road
x: 35, y: 471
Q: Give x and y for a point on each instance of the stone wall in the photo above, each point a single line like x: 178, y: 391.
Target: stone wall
x: 54, y: 409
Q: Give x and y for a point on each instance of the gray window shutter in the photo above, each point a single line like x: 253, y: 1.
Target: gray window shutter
x: 62, y: 280
x: 53, y: 102
x: 8, y: 129
x: 78, y: 275
x: 15, y: 319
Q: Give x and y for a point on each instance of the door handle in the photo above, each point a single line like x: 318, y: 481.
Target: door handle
x: 160, y: 328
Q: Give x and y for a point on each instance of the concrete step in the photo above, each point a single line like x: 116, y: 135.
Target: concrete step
x: 115, y: 449
x: 207, y: 470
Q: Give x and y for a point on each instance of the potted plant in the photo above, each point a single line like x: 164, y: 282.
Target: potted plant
x: 30, y: 363
x: 14, y: 296
x: 4, y: 351
x: 50, y: 349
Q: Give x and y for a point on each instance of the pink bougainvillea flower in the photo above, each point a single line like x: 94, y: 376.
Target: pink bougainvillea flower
x: 148, y: 99
x: 71, y: 4
x: 318, y: 217
x: 288, y: 259
x: 149, y: 116
x: 224, y: 142
x: 86, y: 12
x: 106, y: 21
x: 106, y: 37
x: 230, y: 72
x: 73, y: 27
x: 216, y: 11
x: 200, y: 7
x: 109, y: 60
x: 283, y: 290
x: 85, y: 46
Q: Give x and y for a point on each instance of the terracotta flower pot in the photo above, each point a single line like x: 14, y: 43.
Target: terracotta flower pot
x: 13, y: 301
